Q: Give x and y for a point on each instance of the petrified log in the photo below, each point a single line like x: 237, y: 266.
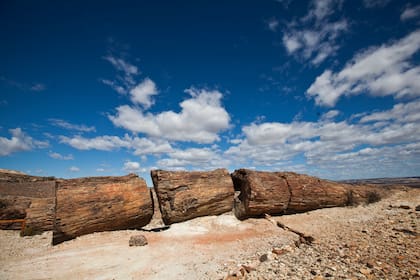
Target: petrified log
x: 27, y: 197
x: 185, y: 195
x: 260, y: 193
x: 285, y: 192
x: 93, y: 204
x: 310, y: 193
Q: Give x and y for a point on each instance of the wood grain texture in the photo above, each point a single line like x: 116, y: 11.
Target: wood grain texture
x: 287, y: 192
x: 185, y: 195
x: 260, y: 193
x: 93, y: 204
x: 27, y: 197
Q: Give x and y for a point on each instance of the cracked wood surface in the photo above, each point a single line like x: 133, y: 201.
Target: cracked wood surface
x: 185, y: 195
x: 287, y: 192
x: 27, y: 197
x: 87, y: 205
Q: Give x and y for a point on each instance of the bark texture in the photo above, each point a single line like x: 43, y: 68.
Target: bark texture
x: 27, y: 197
x: 287, y: 192
x: 185, y: 195
x: 87, y: 205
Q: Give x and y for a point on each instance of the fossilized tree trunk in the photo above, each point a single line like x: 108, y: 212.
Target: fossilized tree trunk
x: 288, y: 192
x: 27, y: 197
x: 87, y: 205
x: 185, y: 195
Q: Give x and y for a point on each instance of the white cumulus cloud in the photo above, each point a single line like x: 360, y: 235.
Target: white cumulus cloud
x: 59, y: 156
x: 140, y: 146
x: 142, y: 93
x: 133, y: 167
x: 201, y: 119
x: 377, y: 140
x: 74, y: 169
x: 379, y: 71
x: 19, y: 141
x: 314, y: 37
x: 201, y: 158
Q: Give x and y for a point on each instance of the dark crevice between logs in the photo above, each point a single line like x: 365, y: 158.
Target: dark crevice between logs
x: 290, y: 194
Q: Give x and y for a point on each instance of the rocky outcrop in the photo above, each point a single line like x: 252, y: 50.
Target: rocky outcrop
x: 287, y: 192
x: 27, y: 197
x: 87, y: 205
x: 186, y: 195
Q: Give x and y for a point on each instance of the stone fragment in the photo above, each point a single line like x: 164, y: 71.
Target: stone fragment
x: 137, y: 240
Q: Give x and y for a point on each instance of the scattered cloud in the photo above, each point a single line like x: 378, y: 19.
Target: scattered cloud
x: 202, y: 158
x: 140, y: 146
x: 272, y: 24
x: 19, y: 141
x: 133, y: 167
x: 201, y: 119
x: 69, y: 126
x: 114, y: 85
x: 375, y: 3
x: 74, y: 169
x: 59, y: 156
x: 37, y: 87
x: 125, y: 77
x: 314, y: 37
x: 100, y: 169
x: 378, y: 71
x: 142, y: 93
x: 377, y: 140
x: 410, y: 13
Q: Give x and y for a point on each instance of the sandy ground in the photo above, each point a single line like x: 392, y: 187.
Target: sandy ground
x: 203, y: 248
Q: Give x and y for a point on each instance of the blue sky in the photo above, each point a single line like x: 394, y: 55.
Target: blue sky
x: 328, y: 88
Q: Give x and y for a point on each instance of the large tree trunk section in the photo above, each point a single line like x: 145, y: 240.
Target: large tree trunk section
x: 87, y: 205
x: 260, y: 193
x: 186, y: 195
x: 27, y: 197
x: 310, y: 193
x: 288, y: 192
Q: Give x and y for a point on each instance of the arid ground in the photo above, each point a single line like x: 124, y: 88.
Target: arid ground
x: 376, y: 241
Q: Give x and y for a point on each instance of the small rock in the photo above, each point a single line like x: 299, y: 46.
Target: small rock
x: 263, y: 258
x: 369, y: 264
x: 418, y: 208
x: 365, y: 271
x: 138, y: 240
x: 249, y: 268
x: 278, y: 251
x: 404, y: 207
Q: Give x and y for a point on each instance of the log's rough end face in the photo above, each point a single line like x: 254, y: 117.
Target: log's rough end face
x: 27, y: 197
x: 259, y: 193
x: 186, y: 195
x: 94, y: 204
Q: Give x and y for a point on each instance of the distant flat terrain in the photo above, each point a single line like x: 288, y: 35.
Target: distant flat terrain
x: 402, y: 181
